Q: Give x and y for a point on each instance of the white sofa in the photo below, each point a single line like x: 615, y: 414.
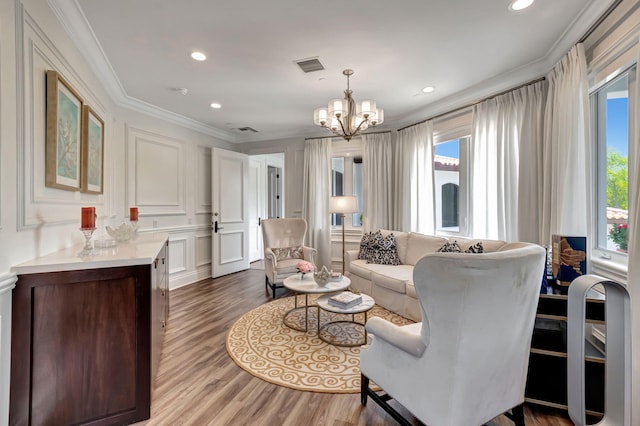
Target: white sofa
x: 392, y: 285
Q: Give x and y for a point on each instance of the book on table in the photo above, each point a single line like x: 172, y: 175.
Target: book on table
x: 344, y: 300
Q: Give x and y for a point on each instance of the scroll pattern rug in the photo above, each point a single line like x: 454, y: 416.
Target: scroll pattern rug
x: 262, y: 345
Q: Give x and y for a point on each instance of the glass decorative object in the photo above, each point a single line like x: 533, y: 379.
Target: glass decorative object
x: 122, y: 233
x: 322, y: 276
x: 87, y: 250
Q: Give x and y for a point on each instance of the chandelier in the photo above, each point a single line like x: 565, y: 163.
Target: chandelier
x: 346, y: 119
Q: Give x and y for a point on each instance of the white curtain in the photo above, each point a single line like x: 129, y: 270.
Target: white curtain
x: 316, y: 190
x: 414, y: 185
x: 494, y: 161
x: 379, y: 180
x: 566, y: 203
x: 530, y: 162
x: 633, y: 275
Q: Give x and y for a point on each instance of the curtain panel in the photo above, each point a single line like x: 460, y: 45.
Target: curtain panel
x: 316, y: 190
x: 414, y: 183
x: 379, y: 206
x: 566, y: 173
x: 507, y: 129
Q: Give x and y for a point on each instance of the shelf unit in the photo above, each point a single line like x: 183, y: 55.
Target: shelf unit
x: 547, y: 376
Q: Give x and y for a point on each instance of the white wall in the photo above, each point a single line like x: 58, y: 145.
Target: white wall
x: 163, y: 168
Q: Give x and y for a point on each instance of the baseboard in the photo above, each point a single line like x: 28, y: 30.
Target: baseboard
x: 184, y: 279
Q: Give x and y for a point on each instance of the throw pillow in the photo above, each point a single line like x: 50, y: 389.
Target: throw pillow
x: 288, y: 253
x: 450, y: 248
x: 365, y: 246
x: 476, y: 248
x: 384, y: 250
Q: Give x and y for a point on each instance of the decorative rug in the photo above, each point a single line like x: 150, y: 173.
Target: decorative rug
x: 262, y: 345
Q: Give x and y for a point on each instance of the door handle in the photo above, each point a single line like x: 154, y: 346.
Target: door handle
x: 259, y: 222
x: 216, y: 227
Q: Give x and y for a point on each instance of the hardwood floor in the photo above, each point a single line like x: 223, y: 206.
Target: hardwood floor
x: 198, y: 384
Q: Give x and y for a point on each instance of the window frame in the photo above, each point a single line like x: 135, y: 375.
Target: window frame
x: 348, y: 151
x: 464, y: 145
x: 609, y: 263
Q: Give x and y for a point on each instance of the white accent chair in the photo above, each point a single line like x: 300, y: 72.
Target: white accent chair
x: 279, y: 237
x: 467, y: 362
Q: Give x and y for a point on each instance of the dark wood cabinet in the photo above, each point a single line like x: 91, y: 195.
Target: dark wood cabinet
x: 86, y: 344
x: 547, y: 376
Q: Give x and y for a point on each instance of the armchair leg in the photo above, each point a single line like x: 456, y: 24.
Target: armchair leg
x: 268, y: 285
x: 381, y: 400
x: 364, y: 385
x: 517, y: 415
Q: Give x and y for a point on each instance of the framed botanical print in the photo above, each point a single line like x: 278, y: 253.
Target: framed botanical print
x: 92, y: 171
x: 63, y: 135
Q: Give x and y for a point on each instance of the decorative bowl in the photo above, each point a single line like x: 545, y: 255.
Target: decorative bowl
x: 322, y: 277
x: 122, y: 233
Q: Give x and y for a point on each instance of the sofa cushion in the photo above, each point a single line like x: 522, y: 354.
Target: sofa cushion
x: 287, y: 266
x: 360, y: 268
x: 391, y: 277
x: 420, y: 244
x: 411, y: 290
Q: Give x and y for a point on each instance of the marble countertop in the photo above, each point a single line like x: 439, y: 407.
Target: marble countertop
x: 140, y: 251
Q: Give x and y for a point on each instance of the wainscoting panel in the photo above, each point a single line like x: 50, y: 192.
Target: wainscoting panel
x: 155, y: 173
x: 203, y: 250
x: 177, y: 255
x: 203, y: 187
x: 38, y: 204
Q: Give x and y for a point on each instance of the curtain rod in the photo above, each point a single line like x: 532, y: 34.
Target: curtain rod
x: 363, y: 134
x: 504, y: 92
x: 599, y: 21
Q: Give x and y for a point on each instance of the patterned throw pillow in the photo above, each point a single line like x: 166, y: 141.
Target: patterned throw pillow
x: 288, y: 253
x: 383, y: 250
x: 450, y: 248
x: 365, y: 246
x: 476, y: 248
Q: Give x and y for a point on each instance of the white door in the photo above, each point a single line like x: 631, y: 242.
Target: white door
x: 230, y: 220
x: 257, y: 189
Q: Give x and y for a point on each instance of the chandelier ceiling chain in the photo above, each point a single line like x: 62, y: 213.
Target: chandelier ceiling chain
x: 347, y: 119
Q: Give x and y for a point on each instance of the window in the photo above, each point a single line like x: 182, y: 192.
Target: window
x: 611, y: 121
x: 346, y: 179
x: 450, y: 175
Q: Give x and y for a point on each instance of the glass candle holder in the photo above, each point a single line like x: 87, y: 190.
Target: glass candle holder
x: 87, y: 250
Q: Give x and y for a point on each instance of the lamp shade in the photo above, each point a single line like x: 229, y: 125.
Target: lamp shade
x: 343, y: 204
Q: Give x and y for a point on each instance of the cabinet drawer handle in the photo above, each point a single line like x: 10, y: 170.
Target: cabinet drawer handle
x: 163, y: 260
x: 163, y: 323
x: 155, y: 263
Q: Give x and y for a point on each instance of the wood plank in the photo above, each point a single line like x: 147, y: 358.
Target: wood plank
x: 199, y: 384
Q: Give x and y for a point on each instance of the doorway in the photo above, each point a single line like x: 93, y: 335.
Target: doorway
x: 269, y: 197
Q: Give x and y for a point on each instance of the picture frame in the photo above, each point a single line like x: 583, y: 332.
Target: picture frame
x: 92, y: 170
x: 63, y: 154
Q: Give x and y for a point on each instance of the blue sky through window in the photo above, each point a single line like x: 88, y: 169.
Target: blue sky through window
x: 618, y: 124
x: 449, y: 149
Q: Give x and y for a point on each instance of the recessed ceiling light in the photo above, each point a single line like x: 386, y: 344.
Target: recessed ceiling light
x: 520, y: 4
x: 198, y: 56
x: 216, y: 105
x: 429, y: 89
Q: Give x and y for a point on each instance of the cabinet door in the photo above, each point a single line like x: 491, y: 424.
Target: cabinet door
x: 80, y: 347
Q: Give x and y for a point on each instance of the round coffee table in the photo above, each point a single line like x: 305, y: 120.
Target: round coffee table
x: 305, y: 286
x: 363, y: 308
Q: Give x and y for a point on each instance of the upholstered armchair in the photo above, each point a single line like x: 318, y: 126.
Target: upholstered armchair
x: 466, y: 363
x: 284, y: 247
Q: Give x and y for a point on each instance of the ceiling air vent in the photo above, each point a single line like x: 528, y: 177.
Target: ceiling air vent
x: 247, y: 129
x: 310, y: 65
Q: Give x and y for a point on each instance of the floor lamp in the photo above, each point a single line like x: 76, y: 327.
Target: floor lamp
x: 343, y: 205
